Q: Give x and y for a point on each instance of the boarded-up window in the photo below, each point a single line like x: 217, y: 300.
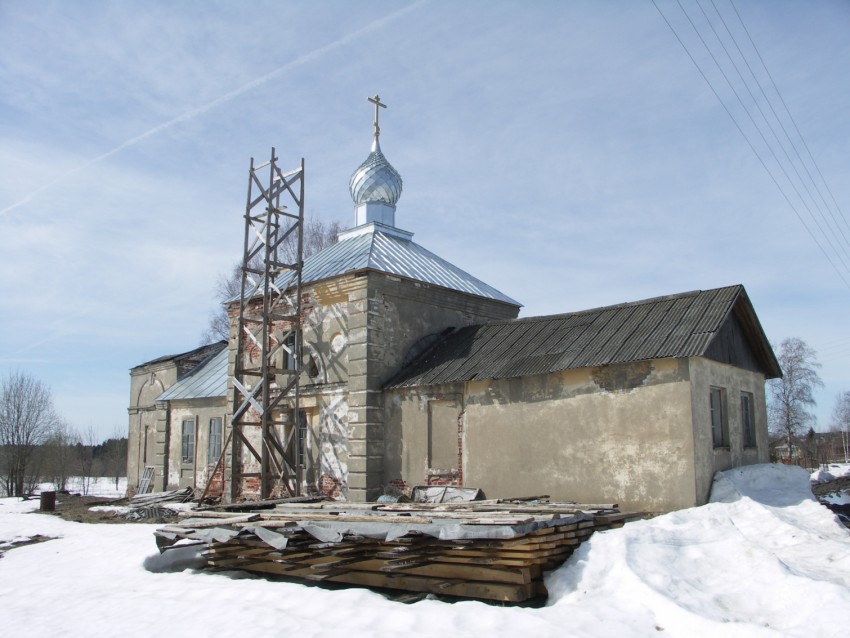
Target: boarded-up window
x: 443, y: 434
x: 214, y: 447
x: 188, y: 441
x: 747, y: 421
x: 719, y: 430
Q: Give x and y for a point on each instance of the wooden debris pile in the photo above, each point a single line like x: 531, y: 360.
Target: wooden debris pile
x: 489, y: 550
x: 154, y: 505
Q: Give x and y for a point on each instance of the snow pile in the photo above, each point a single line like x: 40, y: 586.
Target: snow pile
x: 821, y: 476
x: 764, y: 555
x: 830, y: 472
x: 763, y: 559
x: 772, y: 485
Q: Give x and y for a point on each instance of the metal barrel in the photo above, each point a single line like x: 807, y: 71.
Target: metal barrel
x: 48, y: 501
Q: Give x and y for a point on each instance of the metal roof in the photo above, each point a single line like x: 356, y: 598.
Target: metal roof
x: 202, y: 352
x: 663, y: 327
x: 208, y: 379
x: 391, y: 251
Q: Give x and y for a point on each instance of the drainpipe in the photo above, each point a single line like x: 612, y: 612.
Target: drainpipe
x: 195, y: 455
x: 167, y: 446
x: 139, y: 457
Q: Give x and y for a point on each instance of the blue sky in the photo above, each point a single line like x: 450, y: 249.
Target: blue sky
x: 567, y: 153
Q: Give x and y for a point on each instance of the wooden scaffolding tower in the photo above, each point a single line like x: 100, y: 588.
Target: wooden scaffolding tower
x: 267, y: 367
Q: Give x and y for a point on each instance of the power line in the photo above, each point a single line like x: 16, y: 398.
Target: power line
x: 760, y: 132
x: 844, y: 247
x: 790, y: 116
x: 749, y: 141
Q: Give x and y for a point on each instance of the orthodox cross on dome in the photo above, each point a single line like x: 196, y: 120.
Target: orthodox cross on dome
x: 377, y: 102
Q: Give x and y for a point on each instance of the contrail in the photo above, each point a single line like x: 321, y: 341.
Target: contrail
x: 192, y: 113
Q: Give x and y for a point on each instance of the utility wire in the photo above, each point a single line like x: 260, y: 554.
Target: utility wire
x: 788, y: 137
x: 790, y: 116
x: 761, y: 134
x: 749, y: 142
x: 775, y: 114
x: 837, y: 249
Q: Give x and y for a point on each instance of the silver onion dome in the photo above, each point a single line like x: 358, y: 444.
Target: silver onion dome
x: 375, y: 180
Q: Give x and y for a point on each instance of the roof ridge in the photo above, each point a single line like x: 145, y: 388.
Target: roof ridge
x: 625, y: 304
x: 172, y: 357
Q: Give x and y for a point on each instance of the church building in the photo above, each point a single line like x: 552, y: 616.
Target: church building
x: 415, y: 372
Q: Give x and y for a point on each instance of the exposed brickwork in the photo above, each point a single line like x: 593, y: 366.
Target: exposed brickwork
x: 330, y: 486
x: 216, y: 488
x: 396, y: 487
x: 443, y: 477
x: 250, y: 486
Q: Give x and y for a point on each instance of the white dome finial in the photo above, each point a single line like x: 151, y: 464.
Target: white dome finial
x: 375, y: 186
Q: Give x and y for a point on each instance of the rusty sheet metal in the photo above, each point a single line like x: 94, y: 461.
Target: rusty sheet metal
x: 208, y: 379
x: 675, y: 326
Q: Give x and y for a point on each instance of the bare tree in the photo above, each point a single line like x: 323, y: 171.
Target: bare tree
x: 60, y: 450
x: 318, y: 235
x: 841, y: 420
x: 792, y: 395
x: 27, y: 417
x: 85, y: 456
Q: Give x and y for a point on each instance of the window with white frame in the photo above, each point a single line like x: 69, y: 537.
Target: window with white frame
x: 188, y: 441
x: 214, y: 445
x: 747, y: 421
x: 719, y: 429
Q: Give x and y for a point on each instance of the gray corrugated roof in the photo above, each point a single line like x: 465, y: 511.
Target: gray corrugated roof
x: 208, y: 379
x: 395, y: 255
x: 675, y: 326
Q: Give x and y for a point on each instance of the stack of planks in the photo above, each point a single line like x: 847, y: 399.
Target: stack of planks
x: 490, y: 550
x: 154, y: 505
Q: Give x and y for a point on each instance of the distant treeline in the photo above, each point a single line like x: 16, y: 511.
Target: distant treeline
x: 61, y: 457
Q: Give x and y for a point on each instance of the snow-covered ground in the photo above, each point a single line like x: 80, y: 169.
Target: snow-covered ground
x: 763, y: 559
x: 828, y: 473
x: 97, y: 486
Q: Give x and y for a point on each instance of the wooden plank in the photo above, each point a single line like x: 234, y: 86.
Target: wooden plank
x: 485, y: 560
x: 505, y: 592
x: 232, y: 552
x: 431, y: 566
x: 204, y: 514
x: 455, y: 571
x: 503, y: 520
x: 220, y: 522
x: 469, y: 589
x: 497, y: 553
x: 433, y: 570
x: 346, y: 518
x: 274, y: 524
